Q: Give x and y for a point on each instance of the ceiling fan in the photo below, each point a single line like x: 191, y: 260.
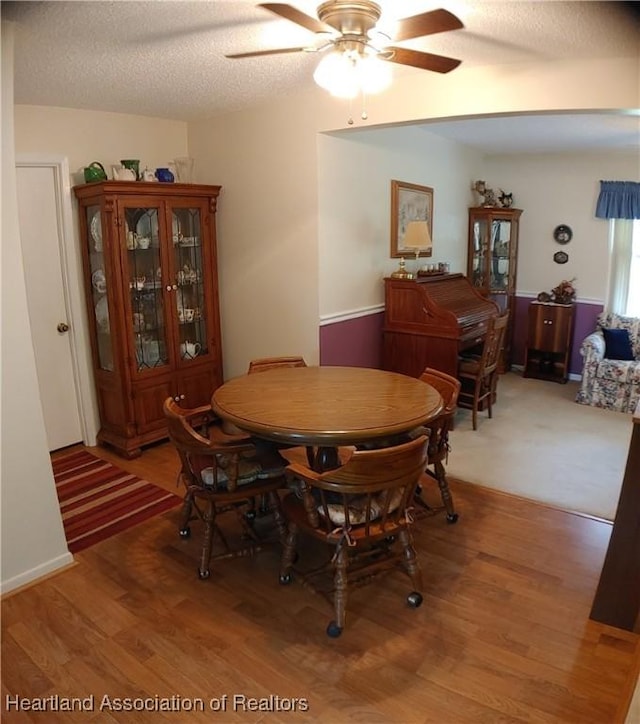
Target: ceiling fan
x: 348, y: 28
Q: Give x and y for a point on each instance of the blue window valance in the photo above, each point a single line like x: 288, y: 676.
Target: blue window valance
x: 618, y: 200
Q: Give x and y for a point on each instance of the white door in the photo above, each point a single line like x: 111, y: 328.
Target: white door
x: 41, y: 237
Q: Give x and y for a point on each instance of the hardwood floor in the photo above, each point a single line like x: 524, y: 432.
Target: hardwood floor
x: 503, y: 634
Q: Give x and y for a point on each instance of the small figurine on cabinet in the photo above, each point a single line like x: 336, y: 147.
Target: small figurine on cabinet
x: 506, y: 199
x: 565, y: 292
x: 488, y: 196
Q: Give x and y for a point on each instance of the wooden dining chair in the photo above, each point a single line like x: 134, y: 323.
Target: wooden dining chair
x: 222, y: 473
x: 439, y: 428
x: 263, y: 364
x: 359, y: 510
x: 268, y: 363
x: 479, y: 375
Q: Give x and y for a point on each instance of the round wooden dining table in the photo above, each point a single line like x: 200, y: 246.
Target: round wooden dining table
x: 326, y: 407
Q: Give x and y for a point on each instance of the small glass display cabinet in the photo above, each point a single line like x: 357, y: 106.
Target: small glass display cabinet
x: 152, y: 297
x: 492, y: 260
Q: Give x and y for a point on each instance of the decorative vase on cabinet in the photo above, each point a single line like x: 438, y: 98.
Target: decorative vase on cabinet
x: 492, y: 261
x: 149, y: 255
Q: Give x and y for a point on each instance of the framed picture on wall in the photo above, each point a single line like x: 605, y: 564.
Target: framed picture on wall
x: 410, y: 202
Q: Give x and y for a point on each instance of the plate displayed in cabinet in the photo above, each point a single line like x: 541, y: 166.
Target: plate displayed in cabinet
x: 102, y: 314
x: 96, y: 231
x: 99, y: 281
x: 175, y: 230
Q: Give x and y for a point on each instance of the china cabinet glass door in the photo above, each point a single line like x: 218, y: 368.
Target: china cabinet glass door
x: 99, y: 291
x: 189, y: 278
x: 480, y: 245
x: 500, y: 240
x: 146, y: 293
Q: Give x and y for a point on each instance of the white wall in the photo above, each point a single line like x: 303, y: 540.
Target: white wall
x: 355, y: 170
x: 267, y: 229
x: 584, y: 84
x: 32, y: 537
x: 86, y: 136
x: 557, y: 189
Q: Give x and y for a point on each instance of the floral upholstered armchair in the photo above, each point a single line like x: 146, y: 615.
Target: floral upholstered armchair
x: 611, y: 371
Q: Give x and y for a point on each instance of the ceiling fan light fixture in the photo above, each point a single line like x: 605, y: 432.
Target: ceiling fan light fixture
x: 375, y: 74
x: 348, y: 73
x: 336, y: 73
x: 359, y: 58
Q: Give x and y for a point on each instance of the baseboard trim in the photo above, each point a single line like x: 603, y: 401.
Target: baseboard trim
x: 35, y: 575
x: 572, y: 376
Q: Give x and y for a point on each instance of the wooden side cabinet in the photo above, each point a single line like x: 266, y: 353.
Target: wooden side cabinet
x: 549, y: 341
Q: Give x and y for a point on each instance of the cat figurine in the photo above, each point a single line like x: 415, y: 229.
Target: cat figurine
x: 506, y: 200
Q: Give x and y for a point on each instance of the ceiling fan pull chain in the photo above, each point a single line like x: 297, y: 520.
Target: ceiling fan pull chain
x: 350, y: 121
x: 364, y: 115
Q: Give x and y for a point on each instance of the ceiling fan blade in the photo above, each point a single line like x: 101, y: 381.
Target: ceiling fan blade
x: 419, y: 59
x: 297, y: 16
x: 275, y: 51
x: 436, y: 21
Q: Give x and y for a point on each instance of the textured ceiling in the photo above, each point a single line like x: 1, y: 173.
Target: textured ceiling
x: 546, y: 133
x: 166, y: 59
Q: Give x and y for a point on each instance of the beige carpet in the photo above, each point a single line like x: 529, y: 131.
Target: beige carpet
x: 542, y: 445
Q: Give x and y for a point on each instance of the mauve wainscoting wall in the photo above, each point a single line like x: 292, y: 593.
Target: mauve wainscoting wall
x: 352, y: 341
x: 356, y: 341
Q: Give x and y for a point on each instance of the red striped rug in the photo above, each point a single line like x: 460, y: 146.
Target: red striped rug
x: 98, y: 499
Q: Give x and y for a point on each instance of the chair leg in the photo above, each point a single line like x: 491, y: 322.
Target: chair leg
x: 281, y: 523
x: 419, y: 500
x: 445, y: 493
x: 490, y: 397
x: 410, y: 560
x: 207, y: 543
x: 340, y: 580
x: 187, y: 507
x: 257, y: 507
x: 288, y: 553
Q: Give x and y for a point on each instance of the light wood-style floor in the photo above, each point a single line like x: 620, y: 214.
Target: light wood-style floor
x: 503, y: 634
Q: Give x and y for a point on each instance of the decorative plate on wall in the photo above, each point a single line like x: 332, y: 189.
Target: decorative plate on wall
x: 562, y: 234
x: 560, y: 257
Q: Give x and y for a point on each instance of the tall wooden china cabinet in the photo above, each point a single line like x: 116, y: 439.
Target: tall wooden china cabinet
x: 149, y: 252
x: 492, y: 260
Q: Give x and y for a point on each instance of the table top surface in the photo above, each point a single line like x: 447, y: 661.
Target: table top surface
x: 326, y: 405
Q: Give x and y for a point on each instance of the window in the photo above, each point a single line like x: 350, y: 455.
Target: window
x: 633, y: 296
x: 623, y: 294
x: 619, y: 201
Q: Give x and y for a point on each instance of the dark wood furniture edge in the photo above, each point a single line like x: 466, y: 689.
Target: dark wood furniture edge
x: 617, y: 599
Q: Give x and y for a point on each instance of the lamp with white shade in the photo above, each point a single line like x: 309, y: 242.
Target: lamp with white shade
x: 418, y: 238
